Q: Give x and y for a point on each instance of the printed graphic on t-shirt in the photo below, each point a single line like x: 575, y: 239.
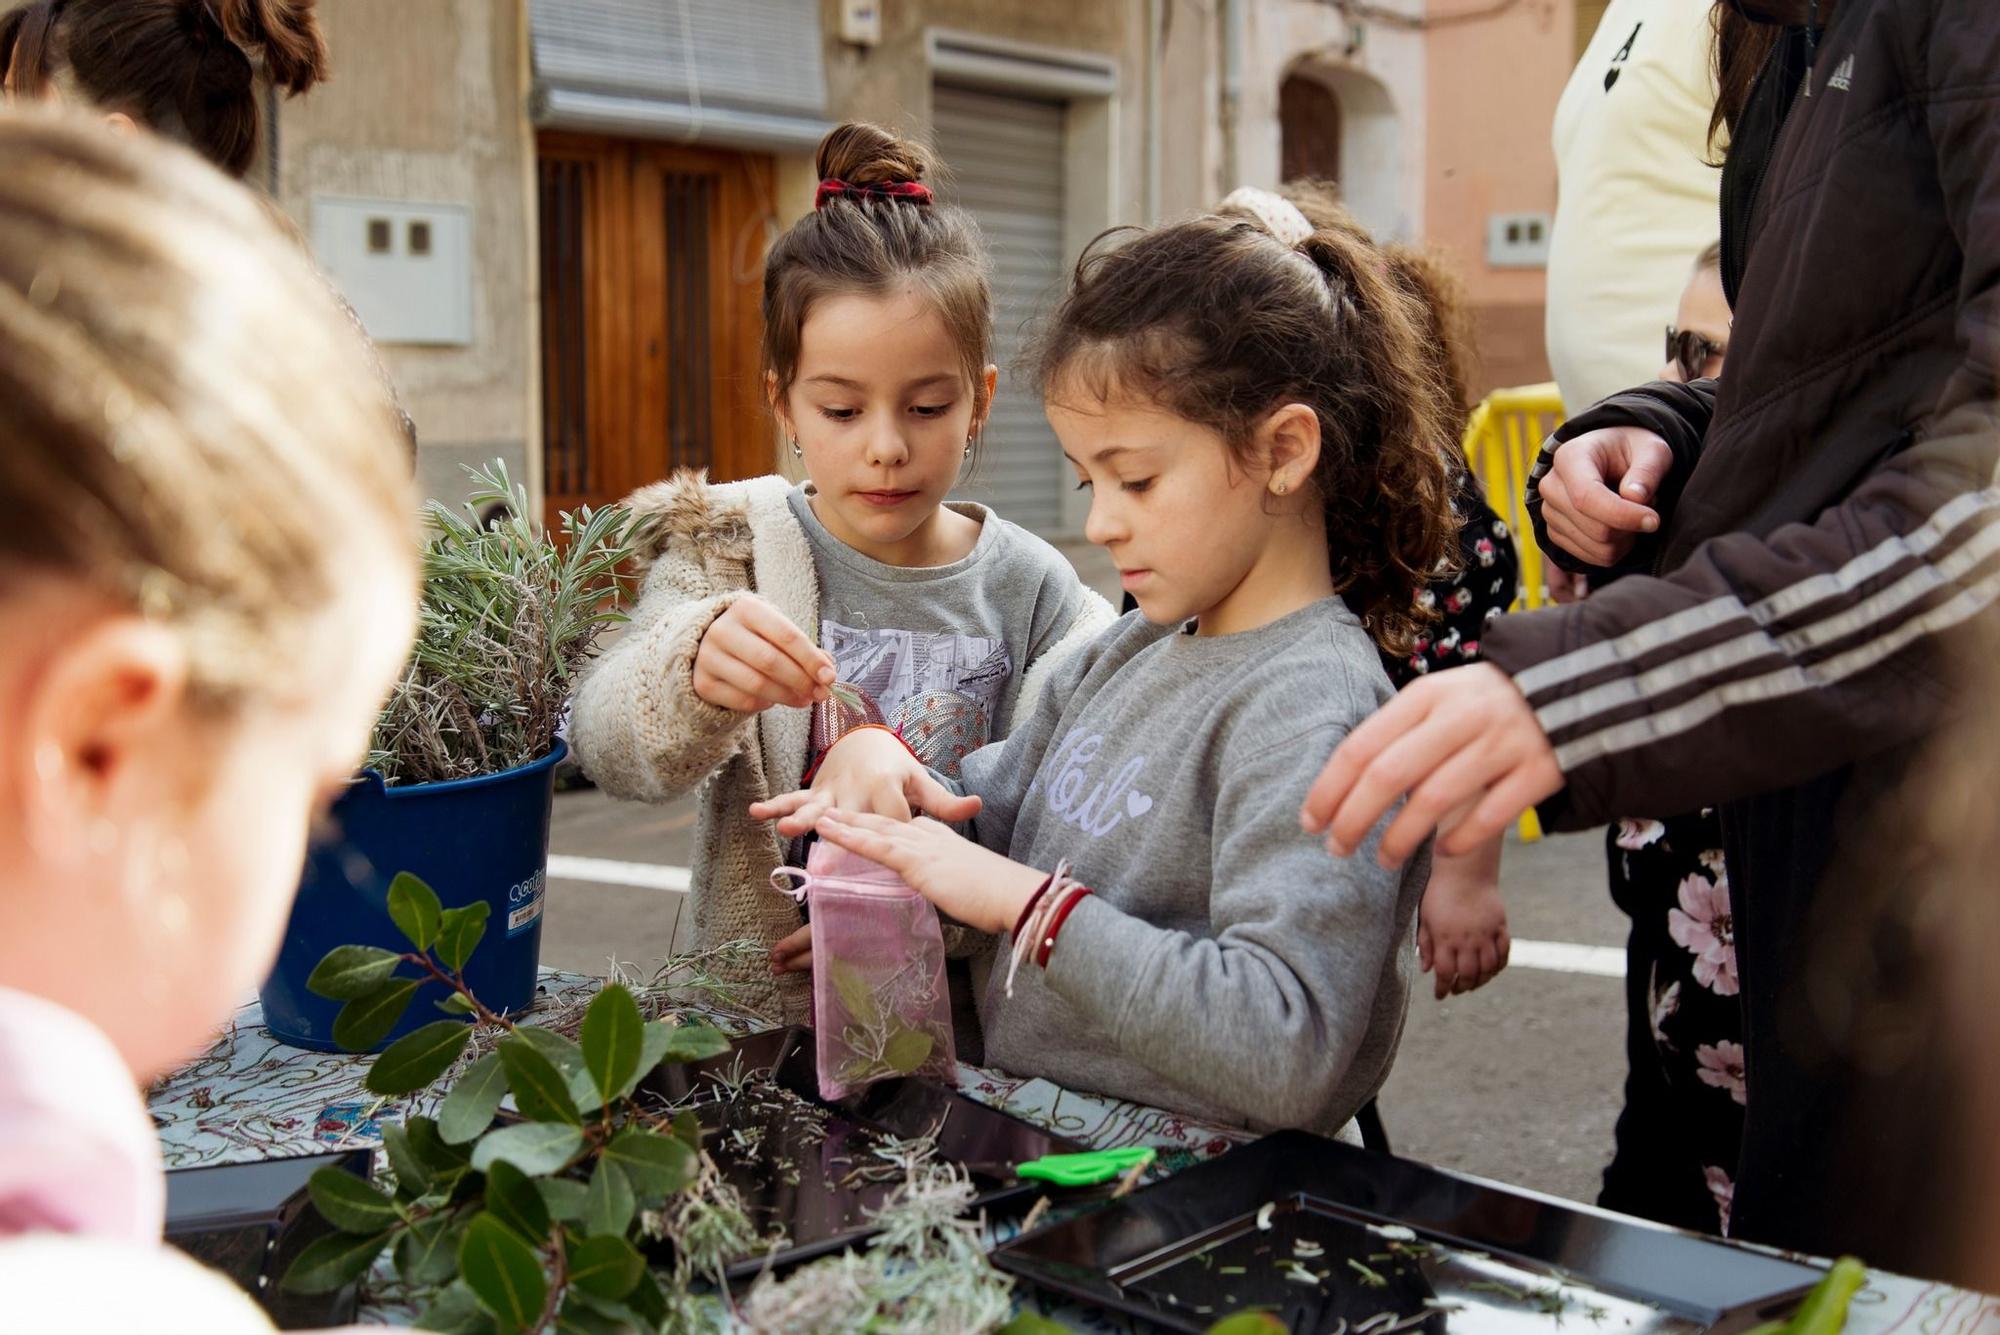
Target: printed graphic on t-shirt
x: 1079, y: 794
x: 939, y: 689
x: 1618, y: 60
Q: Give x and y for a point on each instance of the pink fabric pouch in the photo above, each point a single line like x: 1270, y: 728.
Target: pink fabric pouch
x: 881, y: 1008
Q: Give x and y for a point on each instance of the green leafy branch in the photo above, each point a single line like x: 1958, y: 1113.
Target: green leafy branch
x: 529, y: 1224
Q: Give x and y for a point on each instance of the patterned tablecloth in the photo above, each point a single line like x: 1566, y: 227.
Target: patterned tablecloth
x: 251, y: 1097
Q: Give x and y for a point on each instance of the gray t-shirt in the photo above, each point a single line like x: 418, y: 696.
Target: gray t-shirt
x: 940, y: 650
x: 1227, y: 966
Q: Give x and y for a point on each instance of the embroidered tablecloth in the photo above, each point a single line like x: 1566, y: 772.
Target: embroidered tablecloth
x: 251, y: 1097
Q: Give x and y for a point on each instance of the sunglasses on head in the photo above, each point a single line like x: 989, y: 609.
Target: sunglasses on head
x: 1691, y: 352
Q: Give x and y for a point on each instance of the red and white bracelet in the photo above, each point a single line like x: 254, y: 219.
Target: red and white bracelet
x: 1042, y: 918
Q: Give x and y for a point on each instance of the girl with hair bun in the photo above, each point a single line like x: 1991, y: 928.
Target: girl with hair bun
x: 774, y: 618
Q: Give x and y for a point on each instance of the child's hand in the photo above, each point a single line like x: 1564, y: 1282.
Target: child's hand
x: 1462, y: 925
x: 975, y: 885
x: 794, y: 954
x: 753, y: 657
x: 870, y: 771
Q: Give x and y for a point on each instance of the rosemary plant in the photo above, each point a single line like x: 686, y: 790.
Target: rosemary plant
x: 509, y: 614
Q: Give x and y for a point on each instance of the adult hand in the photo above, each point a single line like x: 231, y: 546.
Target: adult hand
x: 1596, y: 496
x: 973, y: 884
x: 1459, y: 739
x: 869, y: 771
x: 752, y: 657
x: 1564, y: 588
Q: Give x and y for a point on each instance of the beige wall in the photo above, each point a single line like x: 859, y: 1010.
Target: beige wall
x: 1494, y: 86
x: 428, y: 104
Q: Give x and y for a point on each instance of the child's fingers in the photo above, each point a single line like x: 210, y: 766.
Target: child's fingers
x: 734, y: 674
x: 784, y: 804
x: 934, y: 799
x: 885, y: 798
x: 794, y: 953
x: 872, y: 843
x: 1423, y: 948
x: 807, y: 661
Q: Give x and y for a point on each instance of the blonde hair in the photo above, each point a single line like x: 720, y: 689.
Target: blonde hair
x: 188, y: 423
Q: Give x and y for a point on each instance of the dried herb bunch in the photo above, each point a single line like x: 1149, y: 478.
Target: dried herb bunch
x: 509, y: 615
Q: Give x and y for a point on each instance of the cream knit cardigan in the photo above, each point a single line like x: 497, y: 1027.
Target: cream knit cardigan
x: 641, y: 733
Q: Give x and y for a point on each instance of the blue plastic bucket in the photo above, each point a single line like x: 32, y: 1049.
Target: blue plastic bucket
x: 471, y: 839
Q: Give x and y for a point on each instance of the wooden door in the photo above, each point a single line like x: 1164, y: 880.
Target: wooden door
x: 651, y: 269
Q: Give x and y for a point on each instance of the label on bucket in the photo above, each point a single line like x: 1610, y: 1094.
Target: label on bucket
x: 524, y: 903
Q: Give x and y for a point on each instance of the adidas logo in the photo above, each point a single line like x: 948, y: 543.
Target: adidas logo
x: 1843, y: 78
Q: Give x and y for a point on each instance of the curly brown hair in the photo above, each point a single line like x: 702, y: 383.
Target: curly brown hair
x: 1217, y: 321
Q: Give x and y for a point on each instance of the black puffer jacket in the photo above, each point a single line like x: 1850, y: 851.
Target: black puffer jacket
x: 1830, y: 537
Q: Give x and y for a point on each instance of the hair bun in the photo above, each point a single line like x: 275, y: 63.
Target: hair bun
x: 864, y: 154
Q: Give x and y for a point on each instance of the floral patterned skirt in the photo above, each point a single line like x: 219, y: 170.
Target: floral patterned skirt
x: 1682, y: 1126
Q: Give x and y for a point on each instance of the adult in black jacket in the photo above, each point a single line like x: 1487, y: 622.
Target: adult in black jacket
x: 1815, y: 536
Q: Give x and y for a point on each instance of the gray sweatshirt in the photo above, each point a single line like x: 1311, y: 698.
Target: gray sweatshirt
x: 1227, y: 966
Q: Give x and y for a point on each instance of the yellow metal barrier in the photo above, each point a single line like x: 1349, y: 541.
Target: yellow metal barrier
x: 1501, y: 441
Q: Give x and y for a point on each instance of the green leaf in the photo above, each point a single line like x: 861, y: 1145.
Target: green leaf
x: 455, y: 1004
x: 334, y: 1261
x: 611, y: 1039
x: 648, y: 1301
x: 459, y: 933
x: 348, y: 1203
x: 469, y: 1108
x: 514, y: 1201
x: 907, y: 1050
x: 539, y: 1089
x: 687, y: 1128
x: 658, y: 1165
x: 578, y: 1318
x: 348, y: 972
x: 694, y: 1042
x: 414, y: 908
x: 532, y: 1147
x: 455, y: 1311
x: 566, y: 1056
x: 1034, y: 1323
x: 854, y: 993
x: 502, y: 1271
x: 413, y: 1175
x: 428, y: 1142
x: 366, y: 1021
x: 566, y: 1198
x: 427, y: 1253
x: 1243, y: 1323
x: 605, y: 1265
x: 417, y: 1058
x: 610, y: 1205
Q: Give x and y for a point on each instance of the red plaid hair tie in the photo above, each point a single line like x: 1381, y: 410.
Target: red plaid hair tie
x: 914, y: 191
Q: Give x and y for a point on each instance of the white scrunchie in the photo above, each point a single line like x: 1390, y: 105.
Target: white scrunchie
x: 1281, y: 217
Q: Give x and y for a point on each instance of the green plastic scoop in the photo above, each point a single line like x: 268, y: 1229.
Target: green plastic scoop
x: 1084, y: 1170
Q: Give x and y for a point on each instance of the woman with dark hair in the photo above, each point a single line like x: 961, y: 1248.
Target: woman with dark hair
x: 183, y: 69
x: 1811, y: 538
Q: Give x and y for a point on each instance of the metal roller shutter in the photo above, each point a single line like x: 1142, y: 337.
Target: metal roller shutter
x: 1003, y: 159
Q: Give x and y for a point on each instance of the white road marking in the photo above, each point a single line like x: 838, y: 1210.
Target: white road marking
x: 1545, y: 956
x: 604, y: 871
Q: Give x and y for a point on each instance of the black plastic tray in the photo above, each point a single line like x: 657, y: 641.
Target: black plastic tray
x: 798, y: 1169
x: 250, y: 1220
x: 1374, y: 1235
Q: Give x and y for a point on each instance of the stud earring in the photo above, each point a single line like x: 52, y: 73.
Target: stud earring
x: 1281, y: 487
x: 968, y: 446
x: 797, y: 453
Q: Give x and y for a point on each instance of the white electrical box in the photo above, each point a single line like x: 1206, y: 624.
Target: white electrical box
x: 861, y: 22
x: 1518, y: 240
x: 405, y: 267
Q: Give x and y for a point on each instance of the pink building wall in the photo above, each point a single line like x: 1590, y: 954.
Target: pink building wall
x: 1493, y: 85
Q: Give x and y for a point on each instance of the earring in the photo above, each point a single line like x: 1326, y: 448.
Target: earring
x: 797, y: 453
x: 1281, y: 487
x: 968, y: 445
